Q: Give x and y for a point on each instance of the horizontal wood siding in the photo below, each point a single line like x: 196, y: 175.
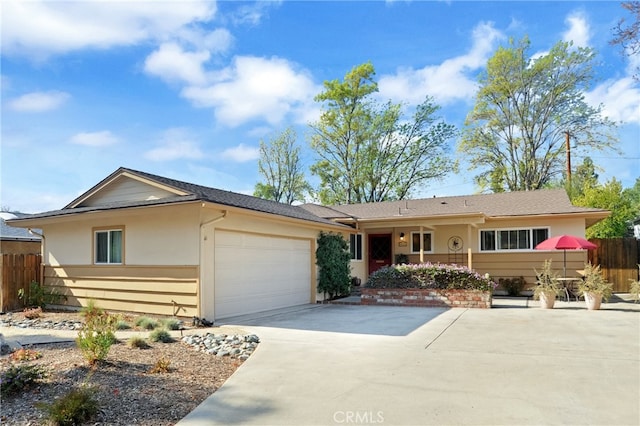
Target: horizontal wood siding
x: 158, y: 290
x: 513, y: 265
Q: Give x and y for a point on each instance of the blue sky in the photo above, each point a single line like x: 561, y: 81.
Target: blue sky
x: 188, y: 89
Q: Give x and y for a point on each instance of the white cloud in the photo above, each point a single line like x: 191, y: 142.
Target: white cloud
x: 175, y: 144
x: 216, y: 41
x: 171, y: 63
x: 39, y: 101
x: 241, y: 153
x: 578, y: 31
x: 446, y: 82
x: 256, y: 88
x: 96, y: 139
x: 40, y: 29
x: 620, y: 99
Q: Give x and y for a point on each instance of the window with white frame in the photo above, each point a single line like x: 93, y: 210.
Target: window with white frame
x: 355, y: 246
x: 512, y: 239
x: 108, y: 246
x: 426, y: 242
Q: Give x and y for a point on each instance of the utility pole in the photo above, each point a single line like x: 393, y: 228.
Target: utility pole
x: 568, y: 145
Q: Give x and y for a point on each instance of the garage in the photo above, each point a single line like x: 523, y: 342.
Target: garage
x: 256, y: 273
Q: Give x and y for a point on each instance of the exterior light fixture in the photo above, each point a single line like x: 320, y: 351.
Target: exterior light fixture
x: 402, y: 236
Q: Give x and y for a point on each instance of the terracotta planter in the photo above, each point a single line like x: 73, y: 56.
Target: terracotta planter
x: 593, y: 300
x: 547, y: 299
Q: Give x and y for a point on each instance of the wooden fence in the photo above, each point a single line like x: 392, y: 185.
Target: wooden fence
x: 18, y: 271
x: 618, y: 258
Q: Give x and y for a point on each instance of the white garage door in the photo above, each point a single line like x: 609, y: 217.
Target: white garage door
x: 256, y: 273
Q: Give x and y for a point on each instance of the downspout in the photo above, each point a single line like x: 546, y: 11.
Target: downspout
x: 202, y: 225
x: 42, y: 246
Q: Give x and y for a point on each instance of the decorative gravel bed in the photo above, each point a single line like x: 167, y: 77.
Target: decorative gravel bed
x: 127, y: 391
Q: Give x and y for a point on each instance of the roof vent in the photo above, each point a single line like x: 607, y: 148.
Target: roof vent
x: 443, y: 202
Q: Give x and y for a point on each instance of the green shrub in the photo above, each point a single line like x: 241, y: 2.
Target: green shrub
x: 160, y: 335
x: 513, y: 286
x: 122, y: 325
x: 76, y: 407
x: 171, y: 323
x: 429, y: 275
x: 146, y: 323
x: 17, y: 378
x: 138, y: 343
x: 333, y: 260
x: 39, y: 296
x: 97, y: 334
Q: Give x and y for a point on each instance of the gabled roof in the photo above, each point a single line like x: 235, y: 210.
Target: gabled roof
x: 505, y: 204
x: 185, y: 192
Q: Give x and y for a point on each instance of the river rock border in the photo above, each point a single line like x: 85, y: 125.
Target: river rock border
x: 235, y: 346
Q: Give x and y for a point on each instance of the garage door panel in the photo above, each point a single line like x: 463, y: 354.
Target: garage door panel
x: 254, y: 273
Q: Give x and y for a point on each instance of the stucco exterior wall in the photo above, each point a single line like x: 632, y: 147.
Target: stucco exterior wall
x: 166, y: 235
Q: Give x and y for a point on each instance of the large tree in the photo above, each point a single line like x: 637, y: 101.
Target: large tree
x: 524, y: 108
x: 369, y: 151
x: 281, y: 167
x: 612, y: 197
x: 627, y: 35
x: 583, y: 178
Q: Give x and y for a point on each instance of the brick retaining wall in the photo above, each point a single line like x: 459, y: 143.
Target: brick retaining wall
x: 426, y: 297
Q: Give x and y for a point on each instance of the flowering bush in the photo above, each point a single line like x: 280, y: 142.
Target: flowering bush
x: 429, y: 275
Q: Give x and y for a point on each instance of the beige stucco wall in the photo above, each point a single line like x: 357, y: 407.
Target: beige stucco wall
x: 165, y: 235
x: 160, y: 269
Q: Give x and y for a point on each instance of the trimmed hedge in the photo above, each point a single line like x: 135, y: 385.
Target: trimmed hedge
x: 429, y: 275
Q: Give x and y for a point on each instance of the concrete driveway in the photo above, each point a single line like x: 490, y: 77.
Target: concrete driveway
x: 328, y: 364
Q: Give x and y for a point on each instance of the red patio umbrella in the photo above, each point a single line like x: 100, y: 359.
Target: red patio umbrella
x: 566, y: 242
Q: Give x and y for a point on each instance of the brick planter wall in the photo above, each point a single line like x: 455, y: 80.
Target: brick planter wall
x: 426, y: 297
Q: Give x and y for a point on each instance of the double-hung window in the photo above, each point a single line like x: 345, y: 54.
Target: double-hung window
x: 108, y: 246
x: 512, y: 239
x: 426, y: 242
x: 355, y: 246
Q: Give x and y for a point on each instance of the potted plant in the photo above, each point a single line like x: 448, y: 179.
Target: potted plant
x: 594, y: 286
x: 547, y: 286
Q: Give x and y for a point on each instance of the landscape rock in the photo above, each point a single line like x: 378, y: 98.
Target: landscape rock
x: 234, y: 346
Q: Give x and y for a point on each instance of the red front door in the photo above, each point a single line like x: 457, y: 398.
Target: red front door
x: 379, y: 251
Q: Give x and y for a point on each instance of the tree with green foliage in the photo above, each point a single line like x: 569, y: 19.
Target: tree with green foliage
x: 333, y: 260
x: 281, y: 167
x: 368, y: 151
x: 516, y: 132
x: 583, y: 177
x: 609, y: 196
